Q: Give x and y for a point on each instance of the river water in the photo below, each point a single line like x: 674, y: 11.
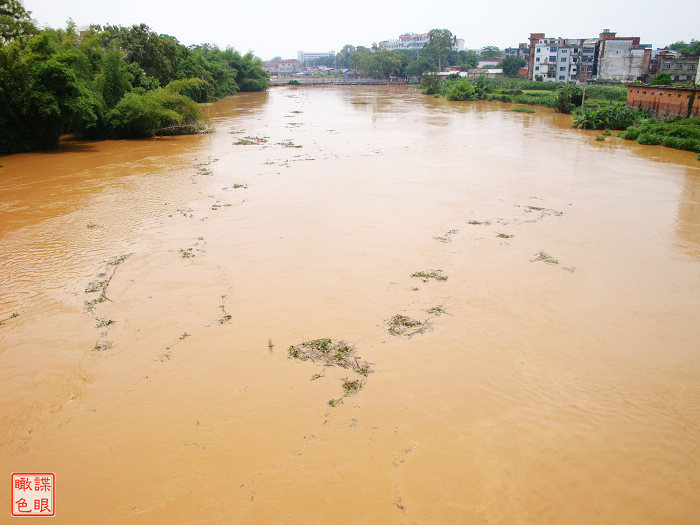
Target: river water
x: 539, y: 392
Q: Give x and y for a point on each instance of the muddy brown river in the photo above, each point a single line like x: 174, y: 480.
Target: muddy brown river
x: 158, y: 284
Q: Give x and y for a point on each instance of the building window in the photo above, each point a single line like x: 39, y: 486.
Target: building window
x: 667, y: 66
x: 575, y: 50
x: 575, y: 60
x: 552, y: 59
x: 691, y: 67
x: 537, y: 59
x: 561, y: 77
x: 562, y: 69
x: 563, y: 59
x: 564, y: 50
x: 679, y: 66
x: 537, y: 68
x: 539, y: 49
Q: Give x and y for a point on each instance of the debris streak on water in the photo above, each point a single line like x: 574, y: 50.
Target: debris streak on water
x: 561, y: 384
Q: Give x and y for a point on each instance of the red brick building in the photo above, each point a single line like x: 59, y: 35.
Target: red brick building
x: 665, y: 102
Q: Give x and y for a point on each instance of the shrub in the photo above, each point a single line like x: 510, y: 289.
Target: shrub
x: 606, y: 116
x: 682, y: 143
x: 146, y: 114
x: 460, y: 90
x: 430, y: 84
x: 649, y: 139
x: 197, y: 89
x: 632, y: 133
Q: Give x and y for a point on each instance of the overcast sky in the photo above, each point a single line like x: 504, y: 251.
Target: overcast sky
x: 282, y: 27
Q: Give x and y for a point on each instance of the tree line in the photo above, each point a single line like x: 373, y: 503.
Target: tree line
x: 107, y: 81
x: 436, y: 55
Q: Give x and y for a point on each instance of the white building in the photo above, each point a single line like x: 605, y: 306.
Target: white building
x: 557, y: 59
x: 305, y: 57
x: 412, y: 41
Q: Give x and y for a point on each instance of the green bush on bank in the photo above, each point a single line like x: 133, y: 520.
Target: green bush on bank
x: 460, y: 89
x: 157, y: 112
x: 607, y: 116
x: 681, y: 134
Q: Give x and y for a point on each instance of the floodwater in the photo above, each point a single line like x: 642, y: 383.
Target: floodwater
x: 545, y: 393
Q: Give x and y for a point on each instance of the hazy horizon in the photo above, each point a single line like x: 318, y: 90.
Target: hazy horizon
x: 281, y: 29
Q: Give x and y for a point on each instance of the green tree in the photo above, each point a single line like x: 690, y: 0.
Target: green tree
x: 490, y: 52
x: 15, y: 22
x: 361, y: 60
x: 468, y: 59
x: 421, y: 65
x: 114, y: 81
x: 40, y: 98
x: 440, y: 44
x: 662, y: 79
x: 686, y: 49
x: 384, y: 63
x: 511, y: 65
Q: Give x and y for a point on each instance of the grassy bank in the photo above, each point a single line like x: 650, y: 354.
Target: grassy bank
x: 682, y: 133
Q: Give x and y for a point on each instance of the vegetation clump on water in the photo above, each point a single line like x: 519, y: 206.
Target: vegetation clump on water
x: 437, y: 310
x: 524, y: 110
x: 445, y: 238
x: 251, y: 141
x: 404, y: 325
x: 107, y: 82
x: 427, y: 276
x: 542, y: 256
x: 11, y: 316
x: 333, y: 353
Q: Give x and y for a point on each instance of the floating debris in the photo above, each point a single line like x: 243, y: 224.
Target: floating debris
x: 330, y: 353
x: 288, y: 144
x: 11, y: 316
x: 437, y: 310
x: 432, y: 274
x: 542, y: 256
x: 333, y: 353
x: 445, y: 238
x: 251, y: 141
x: 474, y: 222
x: 353, y: 386
x: 101, y: 347
x: 504, y: 236
x: 404, y: 325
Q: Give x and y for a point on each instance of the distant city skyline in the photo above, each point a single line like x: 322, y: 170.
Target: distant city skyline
x: 282, y: 29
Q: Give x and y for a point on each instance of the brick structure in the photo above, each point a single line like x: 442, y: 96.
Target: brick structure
x: 665, y: 102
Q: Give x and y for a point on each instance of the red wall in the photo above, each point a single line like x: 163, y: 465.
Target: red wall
x: 664, y: 102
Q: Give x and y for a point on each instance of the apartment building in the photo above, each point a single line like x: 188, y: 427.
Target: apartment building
x: 523, y: 51
x: 622, y: 59
x: 557, y: 59
x: 679, y: 67
x: 608, y: 57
